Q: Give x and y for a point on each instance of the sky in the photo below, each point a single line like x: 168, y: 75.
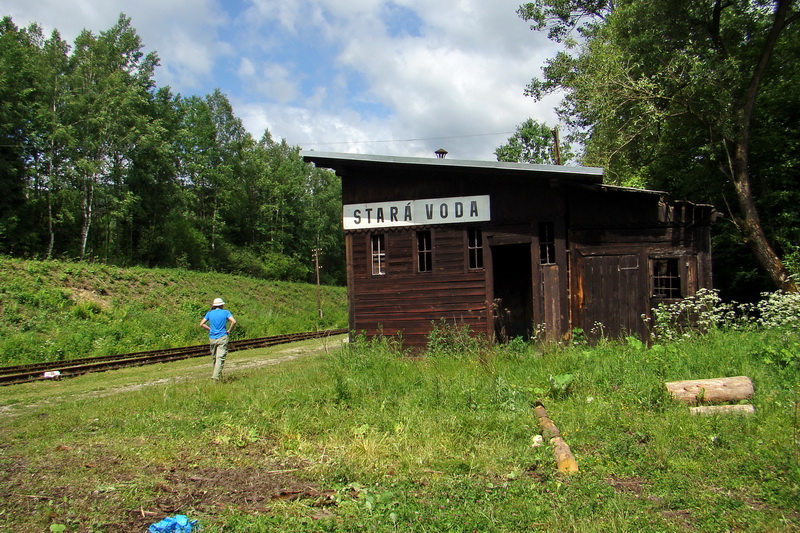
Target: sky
x: 402, y: 77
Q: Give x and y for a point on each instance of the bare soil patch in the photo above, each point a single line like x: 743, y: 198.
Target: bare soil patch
x: 82, y: 295
x: 44, y: 492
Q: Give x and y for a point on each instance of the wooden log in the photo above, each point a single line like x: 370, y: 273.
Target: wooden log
x: 548, y: 429
x: 745, y: 409
x: 565, y: 461
x: 716, y: 390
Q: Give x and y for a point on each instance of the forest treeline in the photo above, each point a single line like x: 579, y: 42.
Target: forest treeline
x: 98, y: 162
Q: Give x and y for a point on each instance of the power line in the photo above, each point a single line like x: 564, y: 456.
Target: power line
x: 409, y: 140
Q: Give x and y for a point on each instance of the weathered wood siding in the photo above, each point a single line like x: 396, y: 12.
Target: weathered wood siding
x: 410, y: 301
x: 615, y: 237
x: 597, y: 276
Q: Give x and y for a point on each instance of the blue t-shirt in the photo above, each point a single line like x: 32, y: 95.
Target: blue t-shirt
x: 217, y: 320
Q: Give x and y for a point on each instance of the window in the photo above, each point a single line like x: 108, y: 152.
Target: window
x: 547, y: 243
x: 424, y: 252
x: 378, y: 255
x: 666, y: 278
x: 475, y: 247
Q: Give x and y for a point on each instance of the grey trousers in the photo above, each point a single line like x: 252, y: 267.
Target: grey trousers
x: 219, y: 350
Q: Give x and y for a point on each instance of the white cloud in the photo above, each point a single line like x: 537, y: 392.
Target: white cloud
x: 184, y: 33
x: 316, y: 71
x: 246, y: 68
x: 318, y: 96
x: 275, y: 81
x: 463, y: 76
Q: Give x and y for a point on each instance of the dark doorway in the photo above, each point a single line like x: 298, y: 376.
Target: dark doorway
x: 513, y: 291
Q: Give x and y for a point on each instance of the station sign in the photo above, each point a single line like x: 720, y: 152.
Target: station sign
x: 396, y: 214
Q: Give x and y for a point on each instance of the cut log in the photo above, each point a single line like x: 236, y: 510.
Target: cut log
x: 746, y: 409
x: 565, y: 461
x: 710, y: 391
x: 548, y: 428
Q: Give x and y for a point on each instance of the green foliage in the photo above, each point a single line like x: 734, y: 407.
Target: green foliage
x: 578, y: 337
x: 692, y: 98
x: 55, y: 310
x: 706, y: 311
x: 635, y: 343
x: 101, y: 164
x: 368, y: 438
x: 450, y: 339
x: 779, y: 309
x: 533, y: 142
x: 560, y: 384
x: 786, y: 357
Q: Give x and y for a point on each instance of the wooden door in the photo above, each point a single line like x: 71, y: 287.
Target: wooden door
x: 612, y: 295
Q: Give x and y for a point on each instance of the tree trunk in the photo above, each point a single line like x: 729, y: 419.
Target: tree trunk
x: 751, y: 223
x: 50, y: 179
x: 745, y: 409
x: 50, y: 230
x: 88, y: 200
x: 565, y: 461
x: 753, y: 232
x: 214, y: 225
x: 50, y: 173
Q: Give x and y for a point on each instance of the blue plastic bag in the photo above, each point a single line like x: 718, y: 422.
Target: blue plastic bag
x: 174, y: 524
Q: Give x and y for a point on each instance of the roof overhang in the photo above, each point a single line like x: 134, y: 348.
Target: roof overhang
x: 344, y: 164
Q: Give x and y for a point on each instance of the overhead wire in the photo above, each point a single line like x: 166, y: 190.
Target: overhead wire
x: 408, y: 140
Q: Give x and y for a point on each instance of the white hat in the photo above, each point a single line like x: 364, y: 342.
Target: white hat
x: 218, y: 302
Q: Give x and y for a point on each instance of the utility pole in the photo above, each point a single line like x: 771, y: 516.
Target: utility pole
x: 556, y: 147
x: 316, y: 252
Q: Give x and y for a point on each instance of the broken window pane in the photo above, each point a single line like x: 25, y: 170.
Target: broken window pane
x: 666, y: 278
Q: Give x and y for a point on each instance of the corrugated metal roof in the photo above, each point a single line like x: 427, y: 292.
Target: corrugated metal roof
x: 340, y: 160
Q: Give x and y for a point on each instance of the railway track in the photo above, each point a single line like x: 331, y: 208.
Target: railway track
x: 10, y: 375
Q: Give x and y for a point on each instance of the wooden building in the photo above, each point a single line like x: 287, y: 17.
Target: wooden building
x: 510, y: 249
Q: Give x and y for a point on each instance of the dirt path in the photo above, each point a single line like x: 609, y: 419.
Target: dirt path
x: 230, y: 367
x: 237, y: 361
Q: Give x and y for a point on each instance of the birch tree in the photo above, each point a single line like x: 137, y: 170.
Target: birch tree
x: 109, y: 80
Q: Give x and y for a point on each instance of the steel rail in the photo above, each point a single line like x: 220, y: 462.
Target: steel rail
x: 11, y: 375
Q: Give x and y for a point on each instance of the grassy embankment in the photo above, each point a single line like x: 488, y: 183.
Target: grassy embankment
x: 52, y: 310
x: 363, y: 438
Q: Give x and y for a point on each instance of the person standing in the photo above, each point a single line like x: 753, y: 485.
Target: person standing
x: 216, y: 322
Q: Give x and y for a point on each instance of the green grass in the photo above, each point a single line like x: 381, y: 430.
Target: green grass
x: 363, y: 438
x: 54, y: 310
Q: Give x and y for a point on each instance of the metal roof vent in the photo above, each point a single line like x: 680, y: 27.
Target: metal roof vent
x: 441, y: 153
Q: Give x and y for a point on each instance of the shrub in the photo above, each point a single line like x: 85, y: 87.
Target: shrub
x: 779, y: 309
x: 705, y: 312
x: 698, y: 314
x: 453, y: 340
x: 280, y: 266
